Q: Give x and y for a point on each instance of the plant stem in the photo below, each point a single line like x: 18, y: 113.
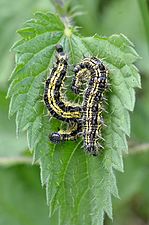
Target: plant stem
x: 139, y: 148
x: 59, y: 6
x: 145, y: 16
x: 9, y: 161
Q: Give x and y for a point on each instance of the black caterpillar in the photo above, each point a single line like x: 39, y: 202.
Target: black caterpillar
x: 55, y: 101
x: 92, y: 119
x: 85, y: 120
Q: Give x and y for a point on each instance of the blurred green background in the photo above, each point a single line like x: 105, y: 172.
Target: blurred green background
x: 21, y: 196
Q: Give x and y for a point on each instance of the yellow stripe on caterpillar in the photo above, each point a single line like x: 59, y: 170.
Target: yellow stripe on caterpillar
x: 53, y: 96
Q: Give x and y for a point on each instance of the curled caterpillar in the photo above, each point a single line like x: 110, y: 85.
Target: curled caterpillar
x: 85, y: 120
x: 92, y: 119
x: 53, y: 97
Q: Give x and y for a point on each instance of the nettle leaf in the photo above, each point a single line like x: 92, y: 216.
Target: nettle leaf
x: 78, y: 186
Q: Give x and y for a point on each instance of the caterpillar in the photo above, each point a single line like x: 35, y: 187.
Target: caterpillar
x: 55, y: 102
x: 53, y: 96
x: 85, y: 120
x: 92, y: 119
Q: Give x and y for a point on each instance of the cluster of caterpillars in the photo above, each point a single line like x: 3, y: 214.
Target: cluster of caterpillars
x: 83, y: 120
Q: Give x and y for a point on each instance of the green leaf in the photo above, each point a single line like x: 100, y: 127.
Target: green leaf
x: 19, y: 187
x: 79, y: 187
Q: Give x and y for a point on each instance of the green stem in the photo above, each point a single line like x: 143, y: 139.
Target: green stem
x: 144, y: 147
x: 145, y: 16
x: 59, y: 6
x: 9, y: 161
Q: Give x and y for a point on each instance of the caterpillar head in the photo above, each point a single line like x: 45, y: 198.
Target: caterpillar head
x: 55, y: 138
x: 61, y: 56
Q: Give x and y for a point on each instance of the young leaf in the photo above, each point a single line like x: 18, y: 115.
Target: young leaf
x: 78, y: 186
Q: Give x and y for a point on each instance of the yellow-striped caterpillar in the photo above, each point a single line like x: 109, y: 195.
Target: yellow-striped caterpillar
x: 92, y: 119
x: 55, y: 101
x: 86, y: 119
x: 53, y: 96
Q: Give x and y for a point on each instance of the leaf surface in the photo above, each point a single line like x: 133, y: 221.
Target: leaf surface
x: 79, y: 187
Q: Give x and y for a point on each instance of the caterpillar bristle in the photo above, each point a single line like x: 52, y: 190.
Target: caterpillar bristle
x: 46, y: 115
x: 104, y: 110
x: 41, y: 101
x: 100, y: 146
x: 101, y: 138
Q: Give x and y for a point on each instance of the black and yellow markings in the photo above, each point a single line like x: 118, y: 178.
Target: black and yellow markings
x: 92, y: 100
x: 70, y: 134
x: 85, y: 120
x: 53, y: 96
